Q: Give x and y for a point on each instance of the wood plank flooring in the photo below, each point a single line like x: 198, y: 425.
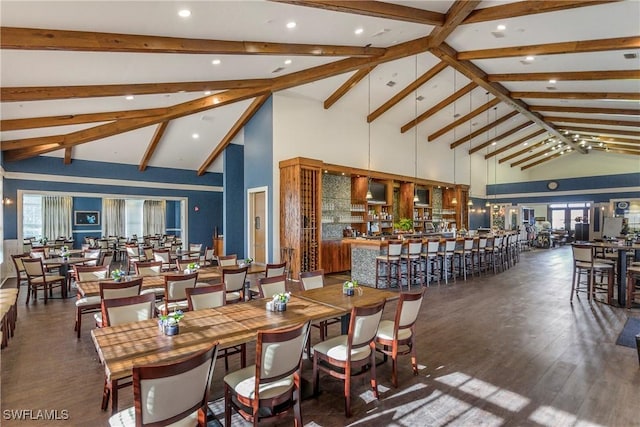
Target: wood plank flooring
x: 503, y: 350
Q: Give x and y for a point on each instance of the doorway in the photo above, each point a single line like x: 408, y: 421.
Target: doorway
x: 258, y: 224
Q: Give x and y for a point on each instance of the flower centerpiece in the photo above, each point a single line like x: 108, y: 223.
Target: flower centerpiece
x: 248, y: 261
x: 192, y: 267
x: 349, y: 287
x: 64, y: 252
x: 168, y: 323
x: 279, y: 301
x: 117, y: 274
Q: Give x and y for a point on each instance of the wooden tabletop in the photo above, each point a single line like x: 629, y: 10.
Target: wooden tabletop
x: 332, y: 295
x: 121, y: 347
x: 614, y: 245
x: 68, y: 261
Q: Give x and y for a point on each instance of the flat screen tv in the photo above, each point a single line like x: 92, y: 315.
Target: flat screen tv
x: 423, y: 196
x: 378, y: 191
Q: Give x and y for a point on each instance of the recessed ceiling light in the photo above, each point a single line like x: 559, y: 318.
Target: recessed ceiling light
x: 184, y: 13
x: 529, y: 58
x: 589, y: 148
x: 129, y: 97
x: 207, y: 92
x: 216, y: 62
x: 501, y: 27
x: 288, y: 61
x: 546, y: 154
x: 553, y: 81
x: 525, y: 144
x: 359, y: 31
x: 195, y: 136
x: 291, y: 25
x: 216, y: 100
x: 493, y: 143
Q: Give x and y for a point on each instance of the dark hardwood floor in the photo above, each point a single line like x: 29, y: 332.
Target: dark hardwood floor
x: 499, y: 350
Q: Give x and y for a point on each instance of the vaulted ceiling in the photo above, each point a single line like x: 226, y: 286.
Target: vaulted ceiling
x: 134, y: 82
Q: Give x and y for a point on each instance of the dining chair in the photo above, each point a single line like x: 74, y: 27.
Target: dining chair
x: 395, y: 334
x: 269, y: 286
x: 195, y: 247
x: 106, y: 258
x: 164, y: 255
x: 271, y: 387
x: 353, y: 354
x: 203, y: 297
x: 175, y: 296
x: 207, y: 258
x: 111, y: 290
x: 171, y: 393
x: 37, y: 278
x: 84, y: 273
x: 227, y: 260
x: 183, y: 263
x: 313, y: 280
x: 584, y: 262
x: 116, y: 311
x: 233, y: 279
x: 149, y: 269
x: 94, y: 255
x: 271, y: 270
x: 21, y: 274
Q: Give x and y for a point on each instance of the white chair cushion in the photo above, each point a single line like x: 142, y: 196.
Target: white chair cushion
x: 336, y: 348
x: 243, y: 382
x: 385, y: 331
x: 98, y: 318
x: 88, y: 301
x: 202, y: 284
x: 233, y: 296
x: 157, y: 291
x: 127, y: 418
x: 385, y: 258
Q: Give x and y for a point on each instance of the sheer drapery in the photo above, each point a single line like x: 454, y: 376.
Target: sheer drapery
x: 56, y: 216
x: 113, y: 217
x: 153, y: 212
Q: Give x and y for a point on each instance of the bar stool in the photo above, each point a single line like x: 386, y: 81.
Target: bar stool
x: 479, y: 253
x: 431, y: 261
x: 389, y: 260
x: 446, y: 255
x: 411, y: 259
x: 464, y: 254
x: 584, y: 262
x: 633, y: 284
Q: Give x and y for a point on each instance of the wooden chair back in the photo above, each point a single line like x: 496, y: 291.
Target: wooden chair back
x: 88, y: 273
x: 227, y: 260
x: 272, y: 270
x: 117, y: 311
x: 202, y: 297
x: 150, y: 268
x: 269, y: 286
x: 311, y: 279
x: 111, y: 290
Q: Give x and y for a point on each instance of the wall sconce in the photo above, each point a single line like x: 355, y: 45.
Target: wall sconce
x: 7, y: 201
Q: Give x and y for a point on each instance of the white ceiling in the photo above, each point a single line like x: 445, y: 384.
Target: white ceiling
x: 265, y: 21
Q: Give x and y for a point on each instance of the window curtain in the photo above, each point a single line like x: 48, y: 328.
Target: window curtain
x: 56, y: 214
x: 154, y: 215
x: 113, y: 217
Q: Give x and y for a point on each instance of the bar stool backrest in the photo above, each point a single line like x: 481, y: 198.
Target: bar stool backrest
x: 394, y: 248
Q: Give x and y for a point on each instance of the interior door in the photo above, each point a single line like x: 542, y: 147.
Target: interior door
x: 259, y: 227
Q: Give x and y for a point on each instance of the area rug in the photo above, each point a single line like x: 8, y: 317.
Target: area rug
x: 627, y: 337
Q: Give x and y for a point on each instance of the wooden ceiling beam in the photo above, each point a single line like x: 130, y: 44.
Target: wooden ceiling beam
x: 483, y: 129
x: 590, y: 121
x: 521, y: 152
x: 469, y: 69
x: 501, y: 136
x: 579, y: 46
x: 347, y: 86
x: 566, y: 76
x: 74, y: 119
x: 514, y: 144
x: 611, y: 140
x: 30, y: 147
x: 153, y: 144
x: 577, y: 129
x: 86, y: 41
x: 577, y: 95
x: 545, y: 159
x: 618, y: 150
x: 375, y: 9
x: 439, y: 106
x: 586, y: 110
x: 432, y: 72
x: 237, y: 126
x: 456, y: 14
x: 533, y: 156
x: 437, y: 134
x: 43, y: 93
x: 524, y: 8
x: 67, y: 155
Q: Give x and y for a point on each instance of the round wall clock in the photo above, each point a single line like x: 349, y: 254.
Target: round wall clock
x: 552, y: 185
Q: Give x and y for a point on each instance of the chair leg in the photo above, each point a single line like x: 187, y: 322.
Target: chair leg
x: 316, y: 386
x: 78, y: 321
x: 573, y: 283
x: 347, y: 390
x: 296, y: 405
x: 414, y: 357
x: 374, y: 379
x: 394, y: 364
x: 227, y: 405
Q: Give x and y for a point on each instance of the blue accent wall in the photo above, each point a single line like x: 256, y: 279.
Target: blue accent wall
x: 234, y: 197
x: 520, y: 189
x: 258, y: 160
x: 478, y: 219
x: 82, y: 231
x: 201, y: 223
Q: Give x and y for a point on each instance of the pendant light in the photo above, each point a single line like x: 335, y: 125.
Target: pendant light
x: 488, y: 203
x: 454, y: 200
x: 470, y: 202
x: 369, y: 196
x: 416, y: 199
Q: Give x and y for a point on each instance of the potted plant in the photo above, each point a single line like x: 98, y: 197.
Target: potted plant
x: 169, y: 323
x: 279, y: 301
x: 248, y: 261
x: 64, y: 253
x: 192, y: 267
x: 349, y: 287
x: 117, y: 275
x: 404, y: 224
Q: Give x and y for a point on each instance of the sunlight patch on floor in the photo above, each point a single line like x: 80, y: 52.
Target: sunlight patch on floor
x: 551, y: 417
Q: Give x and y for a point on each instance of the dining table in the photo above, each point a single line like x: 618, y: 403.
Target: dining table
x: 64, y: 263
x: 621, y: 263
x: 121, y: 347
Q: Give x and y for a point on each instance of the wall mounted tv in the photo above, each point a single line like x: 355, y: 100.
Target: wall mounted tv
x: 378, y: 191
x: 423, y: 197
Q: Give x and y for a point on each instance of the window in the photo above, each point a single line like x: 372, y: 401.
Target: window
x: 32, y: 215
x: 133, y: 217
